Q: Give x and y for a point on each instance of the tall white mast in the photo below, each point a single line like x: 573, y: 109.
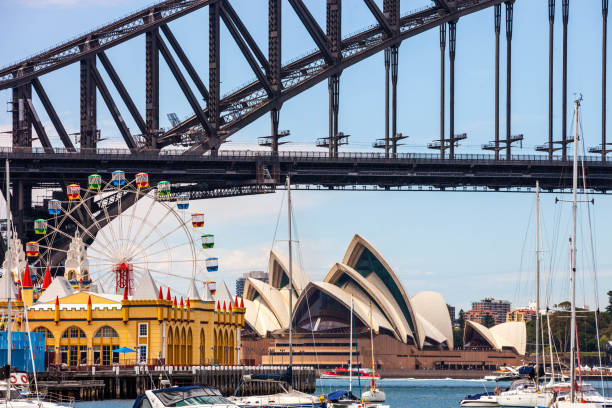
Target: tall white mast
x: 7, y: 272
x: 351, y: 348
x: 573, y: 254
x: 290, y: 280
x: 537, y: 316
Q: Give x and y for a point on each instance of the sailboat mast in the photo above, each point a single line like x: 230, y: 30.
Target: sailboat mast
x: 290, y: 277
x: 573, y: 253
x: 351, y: 349
x: 9, y: 229
x: 372, y: 346
x: 537, y: 316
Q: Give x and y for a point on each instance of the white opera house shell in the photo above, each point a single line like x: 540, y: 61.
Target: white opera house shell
x: 422, y: 320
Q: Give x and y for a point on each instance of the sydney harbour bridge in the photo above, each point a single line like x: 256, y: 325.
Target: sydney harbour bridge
x: 191, y: 154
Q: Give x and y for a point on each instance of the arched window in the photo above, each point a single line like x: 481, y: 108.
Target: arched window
x: 183, y: 347
x: 232, y: 349
x: 202, y: 347
x: 73, y: 347
x: 170, y: 348
x: 225, y: 348
x: 189, y: 348
x: 177, y: 347
x: 105, y: 340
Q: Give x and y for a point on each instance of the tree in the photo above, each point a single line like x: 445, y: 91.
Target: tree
x: 488, y: 321
x: 461, y: 319
x: 458, y: 338
x: 609, y: 307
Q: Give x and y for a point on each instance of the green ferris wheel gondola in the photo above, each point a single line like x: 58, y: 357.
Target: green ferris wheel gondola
x: 208, y: 241
x: 40, y: 226
x: 94, y: 181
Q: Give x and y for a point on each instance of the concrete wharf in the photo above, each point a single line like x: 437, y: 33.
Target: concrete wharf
x: 124, y: 382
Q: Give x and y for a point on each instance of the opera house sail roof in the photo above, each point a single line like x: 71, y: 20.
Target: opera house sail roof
x: 324, y: 307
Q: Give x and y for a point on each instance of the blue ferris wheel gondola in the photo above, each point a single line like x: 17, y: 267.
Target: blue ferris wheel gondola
x: 182, y: 202
x: 118, y: 178
x: 54, y: 207
x: 212, y: 264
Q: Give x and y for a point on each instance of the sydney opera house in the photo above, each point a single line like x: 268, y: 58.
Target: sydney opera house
x: 410, y: 332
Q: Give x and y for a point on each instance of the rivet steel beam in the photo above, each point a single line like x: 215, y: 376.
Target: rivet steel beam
x: 274, y: 71
x: 551, y: 34
x: 55, y: 120
x: 509, y: 17
x: 313, y: 29
x: 497, y: 25
x: 123, y: 93
x: 394, y: 73
x: 22, y: 125
x: 214, y: 75
x: 244, y: 32
x: 564, y: 140
x: 193, y: 74
x: 112, y: 107
x: 387, y: 67
x: 442, y: 88
x: 152, y: 86
x: 379, y: 16
x: 178, y: 75
x: 604, y: 14
x: 89, y: 129
x: 452, y: 43
x: 244, y: 48
x: 38, y: 126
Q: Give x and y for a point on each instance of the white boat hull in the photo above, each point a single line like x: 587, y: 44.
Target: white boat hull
x: 374, y: 395
x: 483, y: 401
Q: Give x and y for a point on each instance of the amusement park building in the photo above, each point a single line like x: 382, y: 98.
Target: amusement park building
x: 410, y: 332
x: 84, y: 326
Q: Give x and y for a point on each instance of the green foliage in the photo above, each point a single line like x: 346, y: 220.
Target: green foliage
x: 488, y: 321
x: 458, y: 337
x: 560, y: 328
x: 461, y: 320
x: 609, y: 307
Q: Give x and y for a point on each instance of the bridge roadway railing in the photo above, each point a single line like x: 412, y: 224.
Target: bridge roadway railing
x: 222, y: 155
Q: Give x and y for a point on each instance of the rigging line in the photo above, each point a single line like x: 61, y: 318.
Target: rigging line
x: 517, y: 287
x: 280, y: 211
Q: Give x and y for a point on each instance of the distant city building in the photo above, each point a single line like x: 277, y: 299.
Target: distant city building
x: 523, y: 314
x: 500, y: 308
x: 259, y: 275
x: 478, y: 315
x: 451, y: 312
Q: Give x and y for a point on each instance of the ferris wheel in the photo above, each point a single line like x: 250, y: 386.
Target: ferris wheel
x: 112, y: 233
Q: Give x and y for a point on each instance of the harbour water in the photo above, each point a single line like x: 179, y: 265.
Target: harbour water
x: 412, y: 393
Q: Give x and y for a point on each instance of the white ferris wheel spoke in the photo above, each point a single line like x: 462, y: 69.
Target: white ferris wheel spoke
x: 162, y: 237
x: 161, y: 220
x: 96, y: 223
x: 146, y: 217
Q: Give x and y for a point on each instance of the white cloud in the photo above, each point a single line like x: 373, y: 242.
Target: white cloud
x: 70, y: 3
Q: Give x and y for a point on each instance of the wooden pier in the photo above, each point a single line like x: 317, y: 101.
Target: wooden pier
x: 125, y: 382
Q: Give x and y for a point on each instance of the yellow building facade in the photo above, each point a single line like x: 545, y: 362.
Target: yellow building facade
x: 83, y: 329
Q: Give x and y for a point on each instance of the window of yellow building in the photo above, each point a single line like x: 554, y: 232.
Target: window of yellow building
x: 73, y: 347
x: 105, y: 340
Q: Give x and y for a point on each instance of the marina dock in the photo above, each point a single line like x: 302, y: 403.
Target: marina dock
x: 127, y: 382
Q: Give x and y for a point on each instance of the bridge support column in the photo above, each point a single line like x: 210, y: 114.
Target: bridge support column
x: 274, y: 57
x: 497, y: 22
x: 152, y: 88
x: 334, y: 105
x: 394, y: 73
x: 214, y: 83
x: 564, y: 141
x: 22, y: 126
x: 274, y: 118
x: 387, y: 66
x: 89, y: 127
x: 442, y: 87
x: 604, y: 15
x: 452, y: 39
x: 551, y: 35
x: 334, y: 35
x: 509, y: 16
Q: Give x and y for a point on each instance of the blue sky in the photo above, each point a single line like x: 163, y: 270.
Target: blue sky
x: 465, y: 245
